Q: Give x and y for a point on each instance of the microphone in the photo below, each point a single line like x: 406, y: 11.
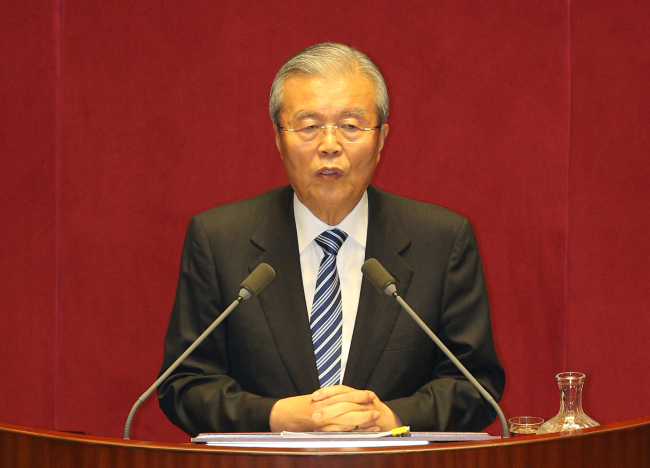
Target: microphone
x: 385, y: 283
x: 250, y: 287
x: 256, y: 281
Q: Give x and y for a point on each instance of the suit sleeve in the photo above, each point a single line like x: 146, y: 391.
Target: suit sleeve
x: 449, y: 402
x: 200, y: 396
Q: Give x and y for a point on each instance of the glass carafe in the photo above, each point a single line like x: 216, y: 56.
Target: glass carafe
x: 571, y: 416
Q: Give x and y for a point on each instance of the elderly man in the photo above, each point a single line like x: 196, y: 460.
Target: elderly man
x: 320, y: 349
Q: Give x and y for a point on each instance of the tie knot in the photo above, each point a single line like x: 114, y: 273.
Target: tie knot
x: 331, y: 241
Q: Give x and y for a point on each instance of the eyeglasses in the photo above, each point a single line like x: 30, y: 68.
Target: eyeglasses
x: 346, y: 132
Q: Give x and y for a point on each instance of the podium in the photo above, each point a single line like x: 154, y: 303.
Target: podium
x: 625, y: 444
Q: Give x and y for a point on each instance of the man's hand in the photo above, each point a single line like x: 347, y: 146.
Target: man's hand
x: 335, y: 409
x: 338, y: 410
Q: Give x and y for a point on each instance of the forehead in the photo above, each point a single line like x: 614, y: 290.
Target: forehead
x: 327, y: 97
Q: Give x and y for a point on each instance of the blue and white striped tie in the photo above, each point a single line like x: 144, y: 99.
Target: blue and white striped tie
x: 326, y: 319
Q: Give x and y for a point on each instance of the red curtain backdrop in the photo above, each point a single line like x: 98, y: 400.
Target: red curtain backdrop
x: 608, y: 266
x: 29, y: 264
x: 120, y: 120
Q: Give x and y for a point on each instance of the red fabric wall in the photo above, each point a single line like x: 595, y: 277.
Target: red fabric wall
x: 29, y: 107
x: 122, y: 119
x: 609, y: 200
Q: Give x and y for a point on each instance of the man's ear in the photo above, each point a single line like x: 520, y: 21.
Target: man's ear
x: 277, y: 138
x: 383, y: 132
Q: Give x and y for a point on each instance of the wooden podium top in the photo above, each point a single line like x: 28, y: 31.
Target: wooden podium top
x: 625, y: 444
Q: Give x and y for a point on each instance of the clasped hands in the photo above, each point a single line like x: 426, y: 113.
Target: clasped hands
x: 333, y: 409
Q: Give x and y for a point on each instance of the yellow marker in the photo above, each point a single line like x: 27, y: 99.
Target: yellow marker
x: 400, y: 431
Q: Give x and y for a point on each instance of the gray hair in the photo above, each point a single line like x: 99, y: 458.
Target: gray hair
x: 329, y: 60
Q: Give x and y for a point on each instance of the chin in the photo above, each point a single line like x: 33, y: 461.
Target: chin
x: 332, y: 195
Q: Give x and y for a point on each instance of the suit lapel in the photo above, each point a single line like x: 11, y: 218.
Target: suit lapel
x: 377, y: 312
x: 283, y: 301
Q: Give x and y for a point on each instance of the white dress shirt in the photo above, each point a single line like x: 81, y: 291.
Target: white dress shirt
x: 348, y: 261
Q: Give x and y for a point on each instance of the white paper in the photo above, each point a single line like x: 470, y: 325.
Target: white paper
x: 321, y: 444
x: 340, y: 440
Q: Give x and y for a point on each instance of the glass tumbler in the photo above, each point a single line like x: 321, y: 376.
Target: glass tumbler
x: 524, y: 425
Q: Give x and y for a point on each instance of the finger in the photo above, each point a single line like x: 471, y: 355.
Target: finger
x: 338, y: 409
x: 368, y: 425
x: 331, y: 391
x: 340, y: 428
x: 350, y: 420
x: 333, y: 428
x: 367, y: 429
x: 355, y: 396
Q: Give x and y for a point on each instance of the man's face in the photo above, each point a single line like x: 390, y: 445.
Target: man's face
x: 328, y: 173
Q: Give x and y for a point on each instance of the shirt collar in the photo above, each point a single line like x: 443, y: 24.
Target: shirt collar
x: 308, y: 226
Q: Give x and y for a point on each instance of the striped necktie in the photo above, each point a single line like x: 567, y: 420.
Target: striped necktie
x: 326, y: 319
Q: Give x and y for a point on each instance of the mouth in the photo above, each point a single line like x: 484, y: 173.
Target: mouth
x: 329, y: 173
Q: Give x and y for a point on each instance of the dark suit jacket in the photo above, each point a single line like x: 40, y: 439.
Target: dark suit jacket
x: 263, y: 350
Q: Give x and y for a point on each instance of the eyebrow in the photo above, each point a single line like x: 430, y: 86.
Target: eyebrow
x: 303, y: 114
x: 355, y: 112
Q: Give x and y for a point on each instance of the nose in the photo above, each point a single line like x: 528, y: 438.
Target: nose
x: 329, y: 145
